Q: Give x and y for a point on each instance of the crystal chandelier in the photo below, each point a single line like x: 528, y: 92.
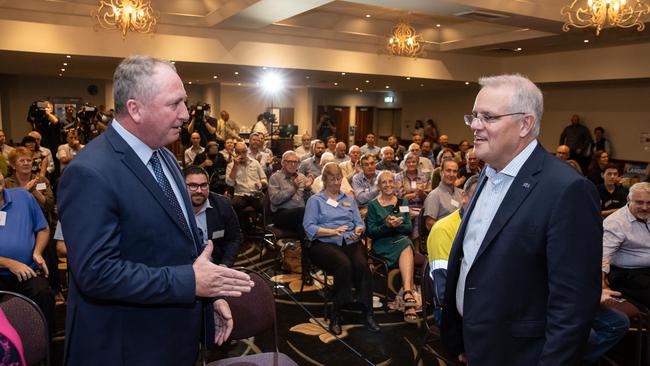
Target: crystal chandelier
x: 602, y: 13
x: 403, y: 41
x: 126, y: 15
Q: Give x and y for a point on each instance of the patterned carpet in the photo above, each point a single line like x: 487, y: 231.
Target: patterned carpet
x: 302, y: 331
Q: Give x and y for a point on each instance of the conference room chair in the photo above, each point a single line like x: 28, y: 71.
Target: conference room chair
x: 30, y: 324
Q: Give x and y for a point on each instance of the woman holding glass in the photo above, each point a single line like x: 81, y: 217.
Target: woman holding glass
x: 333, y: 225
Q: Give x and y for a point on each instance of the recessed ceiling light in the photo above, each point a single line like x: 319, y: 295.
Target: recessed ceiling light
x: 518, y: 49
x: 421, y: 84
x: 336, y: 83
x: 307, y: 77
x: 236, y: 72
x: 387, y: 86
x: 189, y: 82
x: 68, y: 56
x: 173, y: 62
x: 467, y: 83
x: 214, y: 76
x: 367, y: 81
x: 238, y: 84
x: 342, y: 73
x: 60, y: 74
x: 408, y: 78
x: 65, y: 64
x: 586, y: 41
x: 62, y: 69
x: 438, y: 25
x: 368, y: 15
x: 356, y: 88
x: 263, y: 67
x: 361, y: 91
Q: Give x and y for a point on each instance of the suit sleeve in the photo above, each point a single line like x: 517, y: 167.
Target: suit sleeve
x: 232, y: 236
x: 90, y: 218
x: 573, y: 253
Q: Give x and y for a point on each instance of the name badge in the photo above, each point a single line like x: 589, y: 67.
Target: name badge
x: 332, y: 203
x: 3, y: 218
x: 455, y: 203
x: 414, y: 184
x: 41, y: 186
x: 404, y: 209
x: 218, y: 234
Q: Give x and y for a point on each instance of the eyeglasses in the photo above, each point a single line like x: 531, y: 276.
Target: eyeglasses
x: 486, y: 118
x: 292, y: 161
x: 196, y: 186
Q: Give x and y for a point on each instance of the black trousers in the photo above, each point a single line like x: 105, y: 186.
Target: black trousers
x: 36, y: 288
x: 632, y: 282
x: 239, y: 203
x: 290, y: 219
x: 349, y: 265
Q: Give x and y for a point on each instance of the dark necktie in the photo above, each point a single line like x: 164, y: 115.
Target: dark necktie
x: 169, y: 192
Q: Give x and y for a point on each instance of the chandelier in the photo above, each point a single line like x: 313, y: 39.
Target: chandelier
x: 126, y: 15
x: 403, y: 41
x: 601, y: 13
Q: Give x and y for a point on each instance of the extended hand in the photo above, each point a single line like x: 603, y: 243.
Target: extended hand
x: 222, y: 321
x: 38, y: 259
x: 213, y: 280
x: 21, y: 270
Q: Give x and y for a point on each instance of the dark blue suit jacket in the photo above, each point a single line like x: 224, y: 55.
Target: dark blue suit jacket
x: 534, y: 287
x: 223, y: 230
x: 132, y: 290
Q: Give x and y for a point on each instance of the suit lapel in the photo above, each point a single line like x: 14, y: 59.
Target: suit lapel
x: 523, y: 184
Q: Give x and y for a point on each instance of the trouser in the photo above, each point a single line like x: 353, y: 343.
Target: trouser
x: 239, y: 203
x: 290, y: 219
x: 36, y: 288
x: 608, y: 327
x: 349, y: 265
x: 632, y: 282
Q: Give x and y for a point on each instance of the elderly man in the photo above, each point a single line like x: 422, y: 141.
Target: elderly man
x: 288, y: 191
x: 351, y: 166
x: 424, y: 165
x: 443, y: 142
x: 388, y: 162
x: 398, y: 150
x: 473, y: 167
x: 626, y: 245
x: 138, y: 272
x: 563, y: 152
x: 523, y: 282
x: 256, y: 151
x: 24, y: 234
x: 311, y: 166
x: 341, y: 155
x: 364, y: 185
x: 4, y: 148
x: 445, y: 198
x: 303, y: 151
x: 370, y: 148
x: 191, y: 152
x: 66, y: 152
x: 248, y: 178
x: 214, y: 215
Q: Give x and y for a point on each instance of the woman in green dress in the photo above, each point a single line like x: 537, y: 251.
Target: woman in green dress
x: 389, y: 227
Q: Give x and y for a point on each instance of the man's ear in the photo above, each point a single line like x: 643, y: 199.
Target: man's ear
x: 134, y: 109
x: 527, y: 125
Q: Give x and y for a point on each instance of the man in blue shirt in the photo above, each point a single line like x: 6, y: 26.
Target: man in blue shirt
x: 23, y: 237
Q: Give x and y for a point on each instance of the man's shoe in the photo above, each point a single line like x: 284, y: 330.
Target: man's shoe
x: 335, y: 324
x: 371, y: 324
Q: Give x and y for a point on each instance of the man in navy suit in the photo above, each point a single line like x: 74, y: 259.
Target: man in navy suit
x: 139, y: 288
x: 523, y: 281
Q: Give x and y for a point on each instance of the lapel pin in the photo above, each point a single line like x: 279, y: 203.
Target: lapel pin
x: 526, y: 185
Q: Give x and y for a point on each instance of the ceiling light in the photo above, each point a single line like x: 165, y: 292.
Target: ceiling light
x: 408, y: 78
x: 238, y: 84
x: 173, y: 62
x: 189, y: 82
x: 272, y: 83
x: 68, y: 56
x: 126, y: 15
x: 236, y: 72
x: 356, y: 88
x: 368, y: 15
x: 467, y: 83
x: 342, y: 73
x: 387, y: 86
x: 336, y: 83
x: 65, y: 64
x: 438, y: 25
x: 421, y: 84
x: 604, y: 13
x: 518, y: 49
x: 586, y: 41
x: 361, y: 91
x: 62, y: 69
x: 60, y: 74
x: 367, y: 81
x: 404, y: 41
x: 214, y: 76
x: 307, y: 77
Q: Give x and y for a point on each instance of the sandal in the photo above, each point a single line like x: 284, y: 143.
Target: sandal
x: 410, y: 316
x: 409, y: 302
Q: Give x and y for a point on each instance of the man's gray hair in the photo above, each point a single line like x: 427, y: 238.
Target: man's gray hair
x: 384, y: 149
x: 353, y: 147
x: 526, y: 96
x: 411, y: 146
x: 288, y: 153
x: 641, y: 187
x: 471, y: 181
x: 133, y: 79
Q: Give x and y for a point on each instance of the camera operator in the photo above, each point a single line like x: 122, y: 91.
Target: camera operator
x: 201, y: 122
x: 69, y: 120
x: 87, y: 123
x: 43, y: 121
x: 215, y: 164
x: 103, y: 118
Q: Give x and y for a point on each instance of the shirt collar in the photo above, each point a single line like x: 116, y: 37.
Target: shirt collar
x: 513, y: 167
x: 628, y: 214
x: 7, y: 198
x: 141, y: 149
x: 206, y: 205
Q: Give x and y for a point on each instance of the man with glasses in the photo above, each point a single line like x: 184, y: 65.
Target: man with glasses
x: 523, y: 282
x: 215, y: 217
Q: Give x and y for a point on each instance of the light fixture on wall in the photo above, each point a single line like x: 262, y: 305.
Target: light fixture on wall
x: 404, y: 41
x: 126, y: 15
x: 602, y: 13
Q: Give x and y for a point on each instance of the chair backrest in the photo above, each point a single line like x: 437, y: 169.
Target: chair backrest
x: 254, y: 312
x: 28, y: 320
x: 424, y: 233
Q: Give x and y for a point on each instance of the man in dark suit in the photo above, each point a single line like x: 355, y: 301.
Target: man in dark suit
x: 139, y: 289
x: 523, y: 281
x: 215, y: 217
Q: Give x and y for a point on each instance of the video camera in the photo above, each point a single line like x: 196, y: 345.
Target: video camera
x: 200, y: 111
x: 36, y: 115
x: 269, y: 117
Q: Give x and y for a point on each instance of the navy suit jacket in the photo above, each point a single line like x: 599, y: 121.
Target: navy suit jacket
x: 534, y: 287
x: 132, y: 290
x: 223, y: 230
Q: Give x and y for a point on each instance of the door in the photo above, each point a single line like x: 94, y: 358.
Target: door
x: 340, y: 117
x: 364, y: 123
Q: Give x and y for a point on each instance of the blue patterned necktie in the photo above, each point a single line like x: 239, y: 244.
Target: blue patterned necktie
x: 169, y: 192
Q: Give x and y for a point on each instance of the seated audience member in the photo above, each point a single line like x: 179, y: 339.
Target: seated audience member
x: 333, y: 225
x: 413, y: 185
x: 445, y: 154
x: 389, y: 227
x: 228, y: 150
x: 426, y: 151
x: 363, y: 184
x: 247, y: 177
x: 398, y: 149
x: 599, y: 161
x: 612, y: 194
x: 311, y: 166
x: 61, y: 248
x: 600, y: 143
x: 461, y: 154
x: 442, y: 236
x: 215, y: 165
x: 424, y: 164
x: 608, y: 327
x: 23, y: 177
x: 214, y: 216
x: 445, y: 199
x: 45, y: 151
x: 24, y: 234
x: 473, y: 167
x: 257, y: 152
x: 575, y: 166
x: 388, y: 160
x: 417, y: 139
x: 318, y: 185
x: 562, y: 152
x: 227, y: 128
x: 4, y: 148
x: 626, y: 245
x: 331, y: 145
x: 191, y: 152
x: 39, y: 160
x: 443, y: 142
x: 304, y: 150
x: 260, y: 126
x: 370, y: 148
x: 341, y: 156
x: 66, y: 152
x: 288, y: 191
x: 4, y: 166
x: 353, y: 165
